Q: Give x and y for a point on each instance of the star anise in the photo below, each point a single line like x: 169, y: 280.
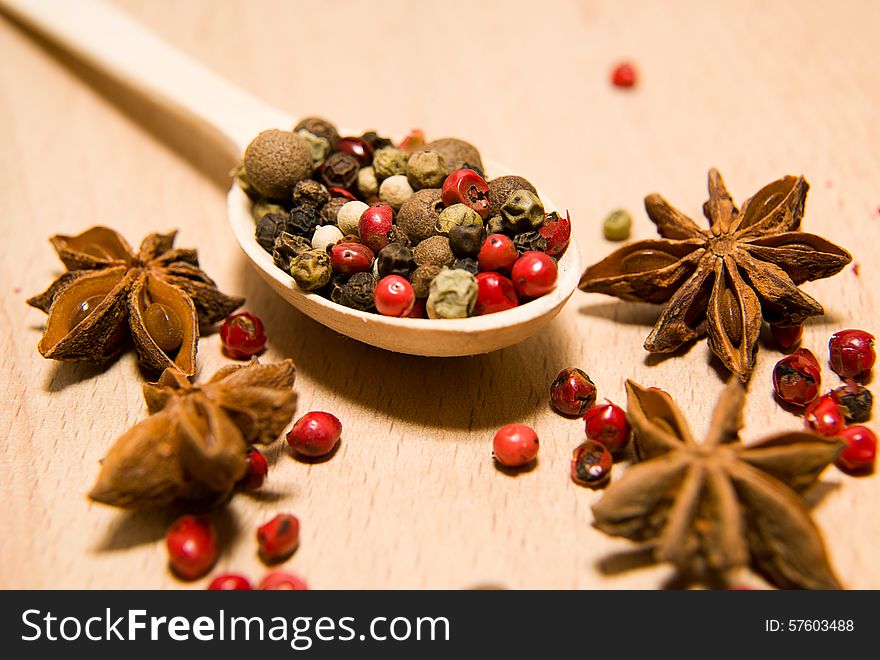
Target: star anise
x: 719, y: 505
x: 724, y: 281
x: 193, y: 446
x: 158, y: 296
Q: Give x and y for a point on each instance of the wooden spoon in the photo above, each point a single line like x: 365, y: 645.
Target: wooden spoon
x: 110, y: 42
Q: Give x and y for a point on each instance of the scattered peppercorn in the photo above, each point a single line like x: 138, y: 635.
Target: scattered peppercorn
x: 279, y: 580
x: 376, y: 141
x: 624, y: 75
x: 557, y: 231
x: 258, y: 468
x: 357, y: 147
x: 312, y: 270
x: 266, y: 206
x: 413, y: 140
x: 278, y: 538
x: 397, y: 235
x: 466, y: 240
x: 617, y: 226
x: 315, y: 434
x: 852, y: 353
x: 230, y: 582
x: 453, y: 295
x: 192, y: 546
x: 591, y: 464
x: 824, y: 416
x: 368, y: 184
x: 606, y: 423
x: 287, y: 248
x: 457, y: 153
x: 495, y: 225
x: 855, y: 401
x: 572, y: 392
x: 318, y: 146
x: 796, y: 378
x: 787, y: 336
x: 242, y: 336
x: 515, y: 445
x: 268, y: 227
x: 350, y: 258
x: 349, y: 215
x: 859, y: 457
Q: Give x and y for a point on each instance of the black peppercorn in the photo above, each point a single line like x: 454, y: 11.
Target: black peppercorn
x: 357, y: 292
x: 397, y: 235
x: 340, y: 170
x: 530, y: 241
x: 376, y: 141
x: 310, y: 192
x: 466, y: 240
x: 267, y: 229
x: 331, y: 210
x: 468, y: 264
x: 320, y: 127
x: 395, y: 259
x: 303, y: 220
x: 287, y: 248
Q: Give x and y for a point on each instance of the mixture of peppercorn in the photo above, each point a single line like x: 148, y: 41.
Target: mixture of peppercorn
x: 412, y: 230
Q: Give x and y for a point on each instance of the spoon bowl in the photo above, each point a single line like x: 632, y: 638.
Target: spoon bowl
x: 107, y: 40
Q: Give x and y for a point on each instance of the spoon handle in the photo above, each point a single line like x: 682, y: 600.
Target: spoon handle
x: 110, y: 42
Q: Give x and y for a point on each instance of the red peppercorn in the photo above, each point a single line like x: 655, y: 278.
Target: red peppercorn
x: 258, y: 468
x: 242, y: 335
x: 497, y: 253
x: 315, y: 434
x: 591, y: 464
x: 414, y: 139
x: 824, y: 416
x: 607, y: 423
x: 515, y: 445
x: 279, y: 537
x: 192, y: 546
x: 394, y: 296
x: 534, y: 274
x: 796, y: 378
x: 230, y: 582
x: 342, y: 192
x: 357, y: 147
x: 419, y: 310
x: 351, y: 258
x: 852, y: 353
x: 624, y: 75
x: 572, y: 393
x: 374, y: 225
x: 279, y: 580
x: 557, y: 231
x: 495, y: 293
x: 855, y: 401
x: 787, y: 335
x: 468, y: 188
x: 860, y: 455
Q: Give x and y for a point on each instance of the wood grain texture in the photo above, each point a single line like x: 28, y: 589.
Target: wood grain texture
x: 412, y: 499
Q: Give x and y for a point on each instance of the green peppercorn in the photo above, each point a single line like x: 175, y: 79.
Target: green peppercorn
x: 617, y: 225
x: 287, y: 249
x: 453, y: 295
x: 318, y: 146
x: 367, y: 183
x: 418, y: 215
x: 522, y: 211
x: 243, y: 183
x: 389, y: 161
x: 395, y: 259
x: 311, y: 270
x: 434, y: 251
x: 466, y: 240
x: 457, y: 215
x: 265, y: 206
x: 426, y: 169
x: 421, y: 279
x: 309, y: 191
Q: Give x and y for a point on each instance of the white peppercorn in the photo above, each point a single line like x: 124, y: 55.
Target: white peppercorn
x: 453, y: 295
x: 395, y: 190
x: 349, y: 215
x: 324, y: 236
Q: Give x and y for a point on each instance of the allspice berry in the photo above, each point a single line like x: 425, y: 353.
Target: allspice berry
x: 522, y: 211
x: 453, y: 295
x: 320, y: 127
x: 434, y: 251
x: 421, y: 279
x: 395, y: 190
x: 312, y: 270
x: 502, y: 187
x: 309, y: 191
x: 275, y: 160
x: 457, y: 153
x: 389, y: 161
x: 418, y: 215
x: 457, y: 215
x: 426, y: 169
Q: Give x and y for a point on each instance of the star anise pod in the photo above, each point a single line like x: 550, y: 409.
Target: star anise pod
x: 158, y: 296
x: 719, y: 504
x: 193, y: 446
x: 724, y: 281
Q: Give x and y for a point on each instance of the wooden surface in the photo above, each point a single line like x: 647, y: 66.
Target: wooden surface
x: 412, y: 498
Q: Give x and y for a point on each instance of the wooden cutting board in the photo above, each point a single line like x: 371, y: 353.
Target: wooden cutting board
x: 412, y: 498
